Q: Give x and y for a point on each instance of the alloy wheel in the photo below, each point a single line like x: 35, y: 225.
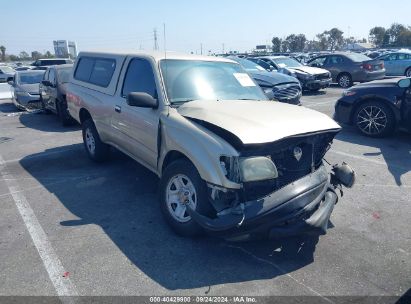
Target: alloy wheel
x: 180, y: 191
x: 344, y: 81
x: 372, y: 120
x: 90, y: 142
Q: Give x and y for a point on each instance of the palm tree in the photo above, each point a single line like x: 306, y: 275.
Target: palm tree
x: 3, y: 53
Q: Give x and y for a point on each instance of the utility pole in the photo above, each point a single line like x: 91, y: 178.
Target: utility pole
x: 155, y: 40
x: 201, y: 48
x: 223, y: 48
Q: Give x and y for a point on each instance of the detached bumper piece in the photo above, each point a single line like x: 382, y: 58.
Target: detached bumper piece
x: 303, y: 206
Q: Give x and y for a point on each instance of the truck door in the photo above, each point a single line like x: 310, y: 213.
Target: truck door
x: 137, y: 128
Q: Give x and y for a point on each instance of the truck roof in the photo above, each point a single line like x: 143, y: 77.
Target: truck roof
x: 156, y: 55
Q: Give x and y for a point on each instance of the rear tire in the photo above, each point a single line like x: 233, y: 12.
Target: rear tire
x: 408, y: 72
x: 182, y: 182
x: 344, y: 80
x: 374, y: 119
x: 96, y: 149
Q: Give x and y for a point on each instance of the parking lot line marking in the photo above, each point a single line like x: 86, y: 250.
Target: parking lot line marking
x: 281, y: 270
x: 64, y: 287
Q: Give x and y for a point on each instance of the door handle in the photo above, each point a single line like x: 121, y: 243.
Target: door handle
x: 117, y: 109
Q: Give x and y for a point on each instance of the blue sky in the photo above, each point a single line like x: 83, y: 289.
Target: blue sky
x: 240, y: 24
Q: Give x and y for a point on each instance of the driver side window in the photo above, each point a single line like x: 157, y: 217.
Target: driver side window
x: 139, y: 78
x: 318, y: 62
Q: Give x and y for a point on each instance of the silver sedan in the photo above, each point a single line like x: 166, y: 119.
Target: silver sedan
x: 26, y: 88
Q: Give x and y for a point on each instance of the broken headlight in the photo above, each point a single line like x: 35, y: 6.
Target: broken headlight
x: 248, y: 169
x: 257, y: 168
x: 229, y: 166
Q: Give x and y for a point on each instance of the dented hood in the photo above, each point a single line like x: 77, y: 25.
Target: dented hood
x: 308, y: 70
x: 255, y: 122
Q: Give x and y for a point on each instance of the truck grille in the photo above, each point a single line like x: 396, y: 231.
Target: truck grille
x: 322, y: 76
x: 285, y: 92
x: 289, y: 168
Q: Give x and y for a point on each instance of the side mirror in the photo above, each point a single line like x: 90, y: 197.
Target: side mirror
x: 142, y: 100
x: 404, y: 83
x: 47, y: 83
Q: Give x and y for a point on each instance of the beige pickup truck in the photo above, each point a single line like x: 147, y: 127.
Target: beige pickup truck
x: 230, y: 162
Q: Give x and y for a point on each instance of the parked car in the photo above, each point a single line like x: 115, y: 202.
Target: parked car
x: 268, y: 67
x: 312, y: 79
x: 6, y: 73
x: 42, y: 64
x: 346, y: 68
x: 53, y: 91
x: 275, y: 85
x: 397, y: 63
x: 377, y: 108
x: 25, y: 86
x: 231, y: 162
x: 22, y: 68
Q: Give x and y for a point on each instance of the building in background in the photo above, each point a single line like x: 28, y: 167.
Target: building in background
x: 263, y: 48
x: 65, y: 49
x: 359, y: 46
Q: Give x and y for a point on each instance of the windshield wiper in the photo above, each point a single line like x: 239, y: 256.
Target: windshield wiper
x: 180, y: 102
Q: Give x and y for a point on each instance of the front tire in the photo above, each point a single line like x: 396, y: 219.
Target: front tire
x: 181, y: 184
x: 408, y: 72
x: 344, y: 80
x: 374, y: 119
x: 63, y: 114
x: 96, y: 149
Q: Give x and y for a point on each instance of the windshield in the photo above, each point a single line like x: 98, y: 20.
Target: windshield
x: 187, y: 80
x: 31, y: 78
x: 358, y: 57
x: 248, y: 65
x: 64, y: 75
x: 6, y: 69
x: 287, y: 62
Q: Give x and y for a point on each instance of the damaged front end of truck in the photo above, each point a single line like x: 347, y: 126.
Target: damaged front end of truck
x: 286, y: 189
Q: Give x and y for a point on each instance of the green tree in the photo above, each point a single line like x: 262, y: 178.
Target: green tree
x: 285, y: 46
x: 36, y: 55
x: 24, y: 56
x: 323, y: 44
x: 276, y: 44
x: 404, y: 38
x: 313, y: 46
x: 296, y: 43
x: 395, y: 31
x: 3, y: 53
x: 49, y: 55
x: 335, y: 38
x: 14, y: 58
x: 378, y: 36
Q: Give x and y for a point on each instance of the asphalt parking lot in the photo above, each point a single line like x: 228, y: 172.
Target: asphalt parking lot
x: 96, y: 229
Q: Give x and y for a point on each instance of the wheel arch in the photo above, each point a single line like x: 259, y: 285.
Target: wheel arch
x: 172, y: 156
x: 84, y: 114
